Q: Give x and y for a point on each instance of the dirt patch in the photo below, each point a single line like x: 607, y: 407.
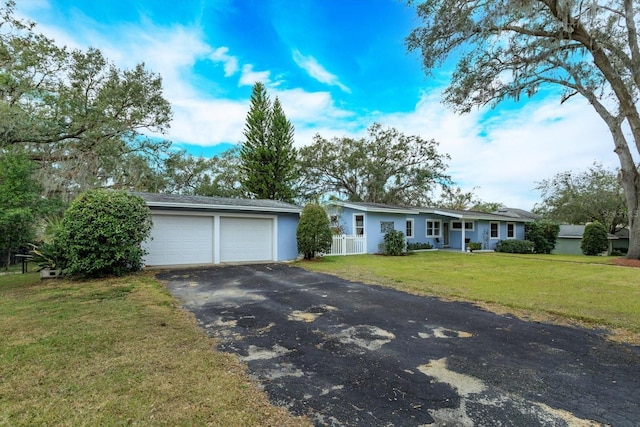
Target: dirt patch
x: 624, y: 262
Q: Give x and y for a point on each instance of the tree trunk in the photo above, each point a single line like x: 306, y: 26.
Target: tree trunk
x: 629, y: 176
x: 8, y: 259
x: 630, y: 181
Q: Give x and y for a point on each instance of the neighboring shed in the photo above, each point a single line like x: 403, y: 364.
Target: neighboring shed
x: 622, y: 244
x: 570, y: 239
x: 197, y: 230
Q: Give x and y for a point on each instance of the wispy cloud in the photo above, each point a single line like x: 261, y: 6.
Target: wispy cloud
x: 317, y: 71
x: 221, y: 54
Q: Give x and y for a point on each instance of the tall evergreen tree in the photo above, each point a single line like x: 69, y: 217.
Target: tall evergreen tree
x: 284, y: 155
x: 267, y: 154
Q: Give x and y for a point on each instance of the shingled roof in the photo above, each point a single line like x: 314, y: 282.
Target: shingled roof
x: 453, y: 213
x: 155, y: 200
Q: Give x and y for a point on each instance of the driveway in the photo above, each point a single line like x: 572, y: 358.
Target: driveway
x: 349, y: 354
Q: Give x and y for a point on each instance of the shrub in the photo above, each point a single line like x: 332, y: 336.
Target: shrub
x: 514, y: 246
x: 418, y: 246
x: 543, y: 234
x: 594, y: 239
x: 314, y: 232
x: 475, y: 246
x: 394, y: 243
x: 102, y: 232
x: 48, y: 255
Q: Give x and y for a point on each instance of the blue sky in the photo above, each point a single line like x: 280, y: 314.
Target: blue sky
x: 337, y: 67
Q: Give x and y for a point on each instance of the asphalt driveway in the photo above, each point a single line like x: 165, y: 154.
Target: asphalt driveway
x: 349, y: 354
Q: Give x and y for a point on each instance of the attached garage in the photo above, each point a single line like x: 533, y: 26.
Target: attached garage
x: 181, y: 240
x: 246, y: 239
x: 195, y: 230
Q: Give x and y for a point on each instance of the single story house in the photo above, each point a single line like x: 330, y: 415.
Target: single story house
x: 197, y: 230
x: 442, y: 228
x: 570, y: 239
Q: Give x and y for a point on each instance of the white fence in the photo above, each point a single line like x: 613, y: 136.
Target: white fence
x: 348, y: 245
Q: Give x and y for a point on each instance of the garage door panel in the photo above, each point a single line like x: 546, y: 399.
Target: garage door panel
x: 246, y: 239
x: 180, y: 240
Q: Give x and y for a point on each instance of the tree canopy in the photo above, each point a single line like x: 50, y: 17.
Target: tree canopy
x: 457, y: 198
x: 81, y: 118
x: 506, y: 49
x: 384, y: 167
x: 219, y: 176
x: 583, y: 197
x: 268, y: 158
x: 19, y: 203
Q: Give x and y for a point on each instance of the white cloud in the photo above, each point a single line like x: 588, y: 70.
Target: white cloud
x: 230, y: 62
x: 208, y: 122
x: 317, y: 71
x: 250, y: 77
x: 506, y: 156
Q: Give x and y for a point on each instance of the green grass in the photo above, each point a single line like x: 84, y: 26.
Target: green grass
x: 116, y: 352
x: 581, y: 289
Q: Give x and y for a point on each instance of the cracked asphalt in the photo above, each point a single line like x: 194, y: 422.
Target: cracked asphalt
x: 350, y: 354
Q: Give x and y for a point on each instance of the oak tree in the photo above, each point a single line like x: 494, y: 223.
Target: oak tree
x: 583, y: 197
x: 384, y: 167
x: 78, y: 115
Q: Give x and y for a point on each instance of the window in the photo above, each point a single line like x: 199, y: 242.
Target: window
x: 495, y: 230
x: 457, y: 225
x: 409, y: 229
x: 511, y: 230
x: 433, y: 228
x: 358, y: 224
x: 386, y: 226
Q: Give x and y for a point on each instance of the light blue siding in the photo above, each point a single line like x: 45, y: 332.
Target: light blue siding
x: 481, y: 232
x: 287, y: 242
x: 375, y: 236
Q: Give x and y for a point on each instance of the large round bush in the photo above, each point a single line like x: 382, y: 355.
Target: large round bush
x: 314, y: 231
x: 594, y: 239
x: 102, y: 233
x: 394, y: 243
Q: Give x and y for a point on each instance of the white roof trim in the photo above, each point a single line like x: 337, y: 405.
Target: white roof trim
x: 407, y: 211
x: 449, y: 214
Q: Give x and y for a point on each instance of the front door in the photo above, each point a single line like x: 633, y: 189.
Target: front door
x: 445, y: 232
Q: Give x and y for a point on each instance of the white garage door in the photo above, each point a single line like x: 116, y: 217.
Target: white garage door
x: 180, y: 240
x: 246, y: 239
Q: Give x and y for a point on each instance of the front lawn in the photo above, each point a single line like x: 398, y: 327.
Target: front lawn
x: 116, y: 352
x: 581, y: 289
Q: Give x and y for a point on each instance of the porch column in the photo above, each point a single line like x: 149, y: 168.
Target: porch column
x: 464, y: 249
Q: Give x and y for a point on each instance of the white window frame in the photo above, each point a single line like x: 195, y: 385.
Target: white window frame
x: 413, y: 232
x: 497, y: 229
x: 511, y: 224
x: 434, y: 221
x: 355, y: 226
x: 466, y: 225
